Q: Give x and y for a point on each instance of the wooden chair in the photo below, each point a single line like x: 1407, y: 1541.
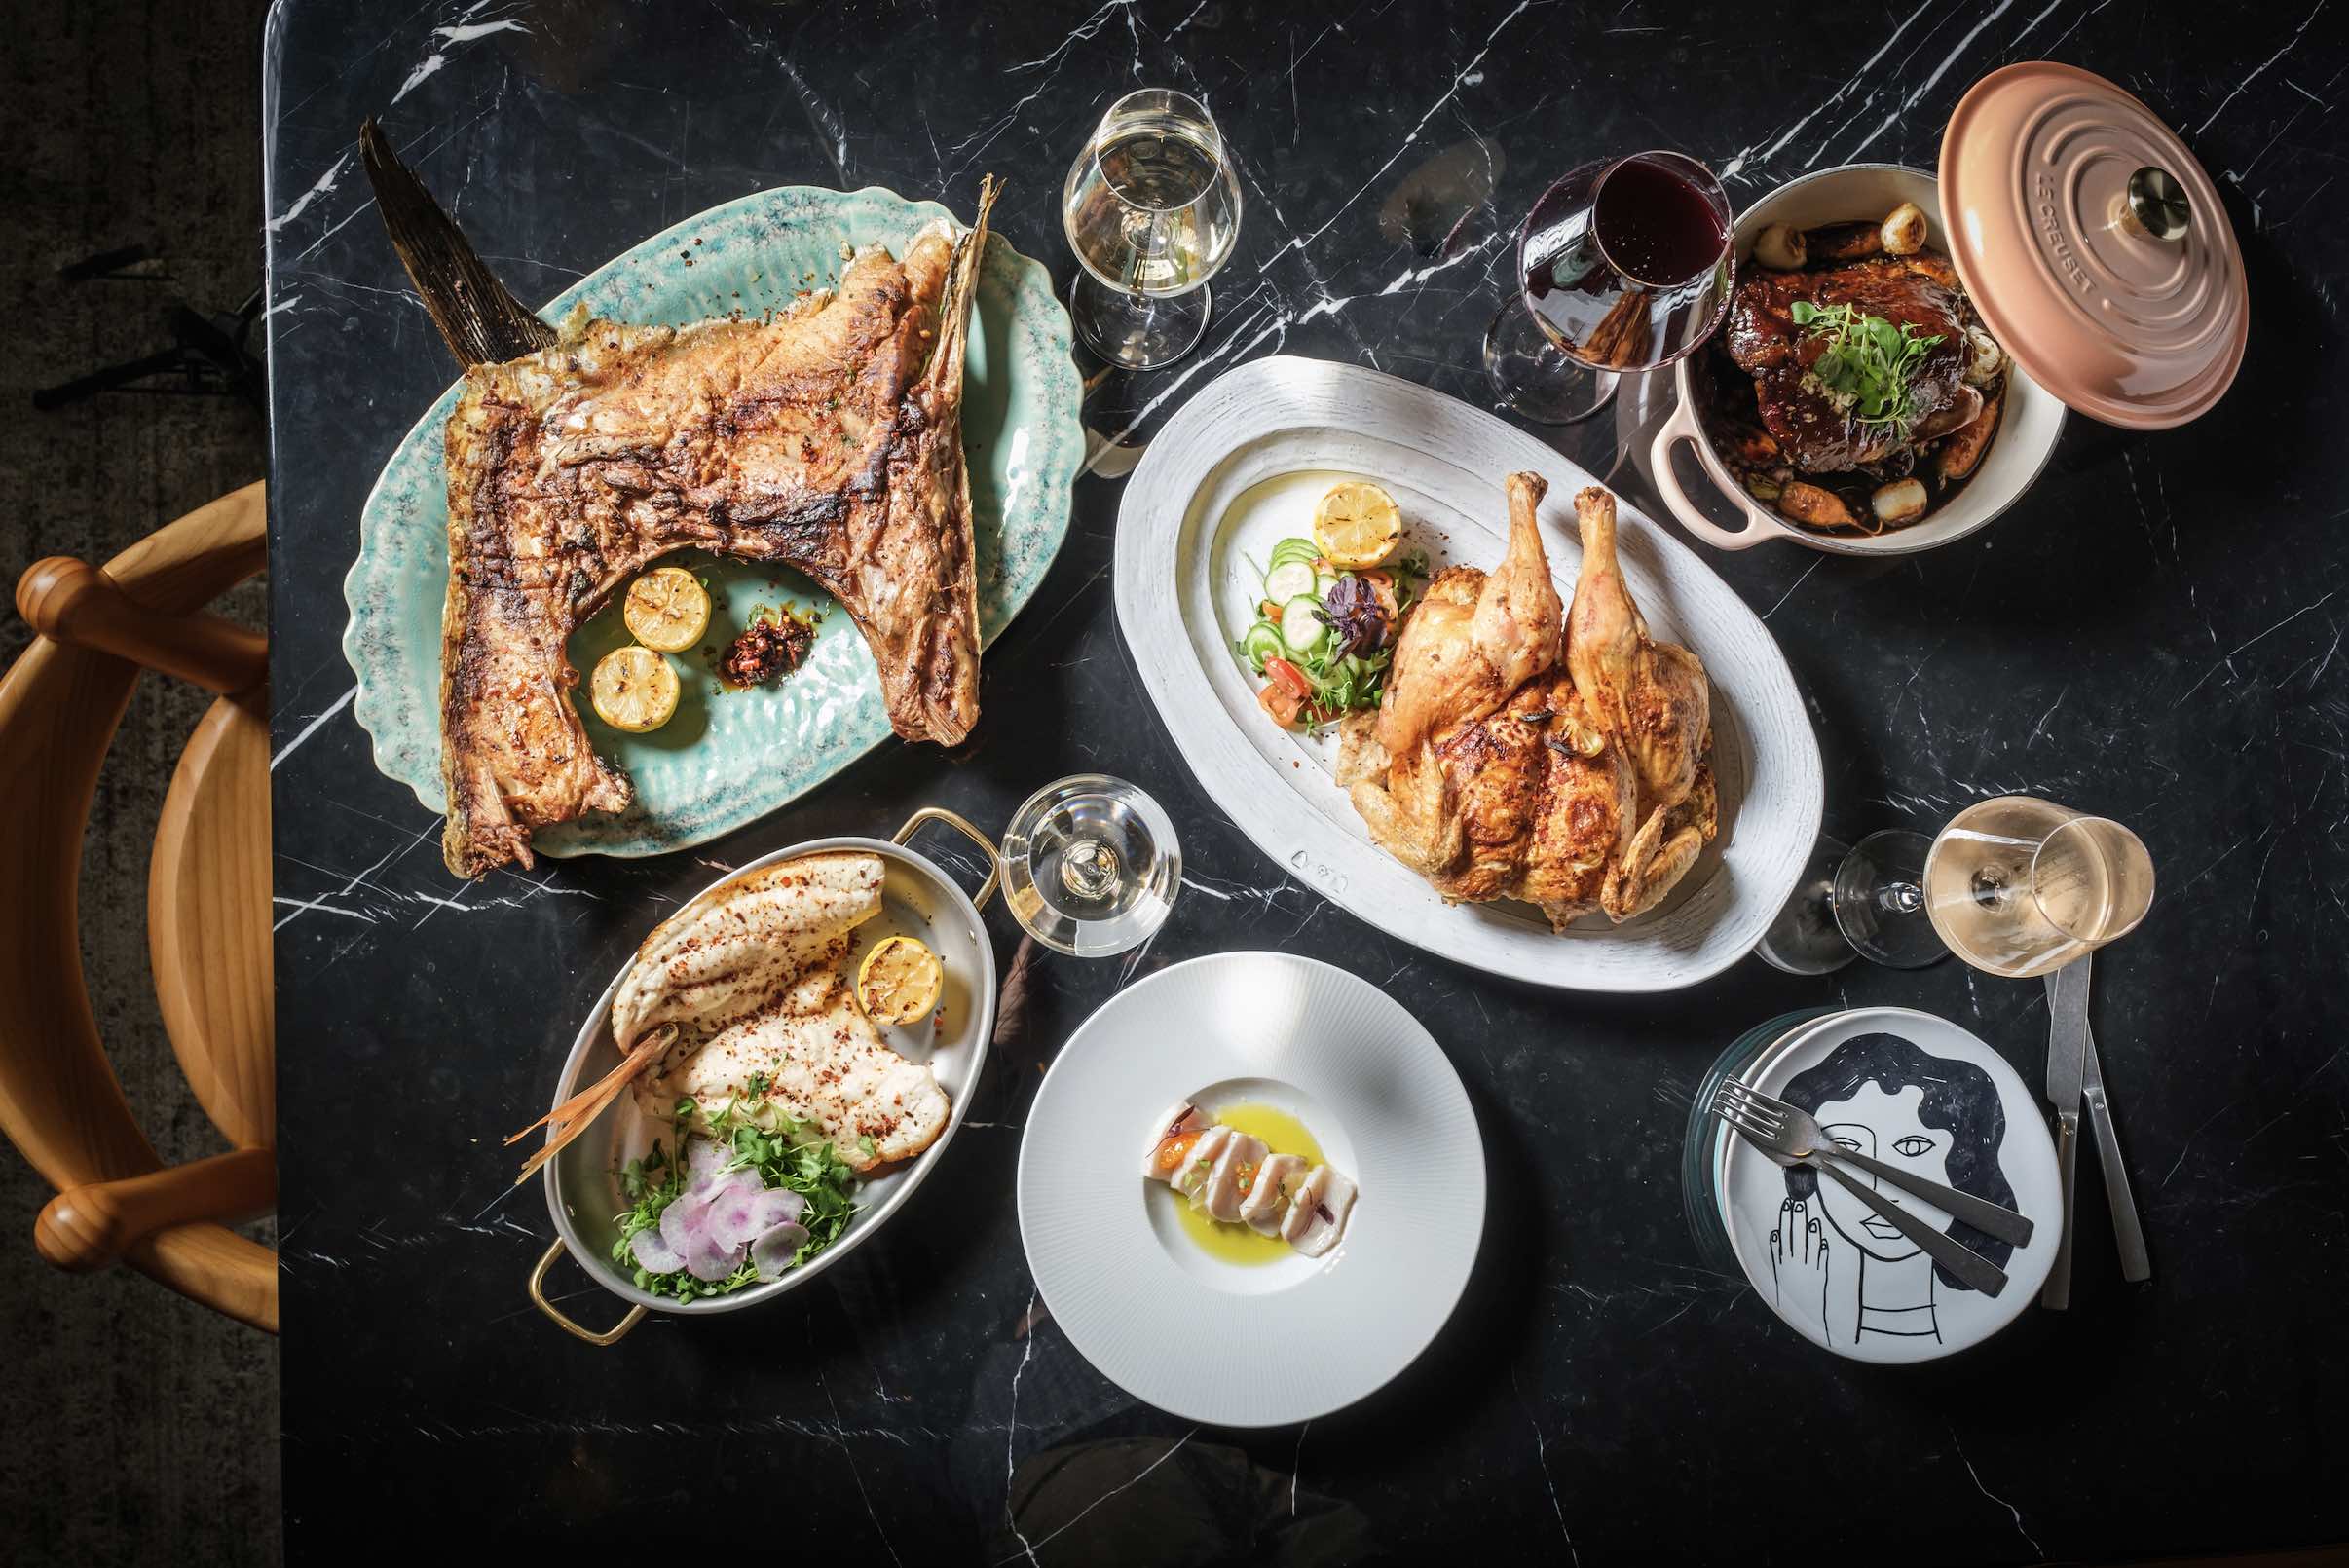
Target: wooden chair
x: 207, y: 912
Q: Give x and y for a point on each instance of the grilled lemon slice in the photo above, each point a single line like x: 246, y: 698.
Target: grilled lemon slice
x: 667, y: 610
x: 899, y: 980
x: 633, y: 689
x: 1358, y: 525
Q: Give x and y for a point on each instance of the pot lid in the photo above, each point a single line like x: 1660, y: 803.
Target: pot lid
x: 2094, y: 245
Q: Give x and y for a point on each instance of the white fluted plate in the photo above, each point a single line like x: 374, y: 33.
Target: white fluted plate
x: 1276, y: 1343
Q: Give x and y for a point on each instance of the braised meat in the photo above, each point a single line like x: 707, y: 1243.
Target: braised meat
x: 1820, y: 430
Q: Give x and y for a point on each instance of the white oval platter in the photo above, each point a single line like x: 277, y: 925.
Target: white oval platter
x: 1225, y: 479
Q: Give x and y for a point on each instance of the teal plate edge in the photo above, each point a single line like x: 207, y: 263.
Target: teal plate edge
x: 730, y: 757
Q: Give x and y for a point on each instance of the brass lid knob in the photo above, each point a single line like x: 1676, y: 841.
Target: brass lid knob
x: 2158, y: 204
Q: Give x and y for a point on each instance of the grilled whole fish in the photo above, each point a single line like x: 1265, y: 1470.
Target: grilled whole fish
x: 827, y: 438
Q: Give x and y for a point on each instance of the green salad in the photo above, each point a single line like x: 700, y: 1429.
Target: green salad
x: 1324, y: 636
x: 755, y: 1197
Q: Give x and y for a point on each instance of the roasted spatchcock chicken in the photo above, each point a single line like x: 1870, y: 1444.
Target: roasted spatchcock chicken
x: 1529, y: 751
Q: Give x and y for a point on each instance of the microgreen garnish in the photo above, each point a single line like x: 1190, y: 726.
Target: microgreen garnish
x: 1867, y: 359
x: 783, y: 1153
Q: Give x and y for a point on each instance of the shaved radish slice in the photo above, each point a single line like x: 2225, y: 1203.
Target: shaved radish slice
x: 771, y: 1253
x: 739, y: 1215
x: 685, y: 1221
x: 705, y: 1158
x: 653, y: 1254
x: 708, y: 1259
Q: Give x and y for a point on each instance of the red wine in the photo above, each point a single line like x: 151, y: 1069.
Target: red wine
x: 1622, y: 263
x: 1657, y: 227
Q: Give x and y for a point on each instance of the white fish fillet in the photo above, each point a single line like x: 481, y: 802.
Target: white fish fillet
x: 736, y: 946
x: 823, y: 1064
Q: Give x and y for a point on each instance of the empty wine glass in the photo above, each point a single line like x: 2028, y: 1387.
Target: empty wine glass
x: 1623, y: 265
x: 1152, y: 209
x: 2016, y: 886
x: 1091, y: 866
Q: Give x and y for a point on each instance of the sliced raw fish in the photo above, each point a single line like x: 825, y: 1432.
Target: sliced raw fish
x: 1194, y: 1174
x: 1267, y: 1203
x: 1318, y: 1217
x: 771, y: 1253
x: 1233, y: 1177
x: 1181, y: 1121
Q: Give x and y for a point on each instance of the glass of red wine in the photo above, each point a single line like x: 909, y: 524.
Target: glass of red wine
x: 1623, y: 266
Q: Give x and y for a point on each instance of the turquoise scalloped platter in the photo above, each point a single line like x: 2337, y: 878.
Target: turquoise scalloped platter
x: 730, y: 757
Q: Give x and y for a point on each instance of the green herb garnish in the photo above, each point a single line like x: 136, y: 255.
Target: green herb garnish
x: 1866, y: 359
x: 775, y: 1146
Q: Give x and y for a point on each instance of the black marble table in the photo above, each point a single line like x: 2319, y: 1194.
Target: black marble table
x: 2155, y: 634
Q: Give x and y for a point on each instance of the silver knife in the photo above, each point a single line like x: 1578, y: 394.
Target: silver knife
x: 2067, y: 1070
x: 2135, y: 1263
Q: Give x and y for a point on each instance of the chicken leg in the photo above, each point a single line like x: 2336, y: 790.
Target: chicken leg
x: 1476, y: 637
x: 1652, y: 697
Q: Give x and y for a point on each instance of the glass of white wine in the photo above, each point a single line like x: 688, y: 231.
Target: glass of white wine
x: 1091, y: 866
x: 1152, y: 209
x: 2019, y: 886
x: 2016, y: 886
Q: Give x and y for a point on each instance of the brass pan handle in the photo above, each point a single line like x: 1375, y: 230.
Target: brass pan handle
x: 537, y: 1297
x: 961, y: 825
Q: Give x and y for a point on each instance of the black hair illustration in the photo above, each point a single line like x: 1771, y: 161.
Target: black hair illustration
x: 1959, y: 1099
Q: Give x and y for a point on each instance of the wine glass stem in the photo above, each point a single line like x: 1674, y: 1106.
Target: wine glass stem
x: 1900, y: 898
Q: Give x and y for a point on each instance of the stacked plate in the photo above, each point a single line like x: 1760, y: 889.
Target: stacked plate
x: 1908, y: 1088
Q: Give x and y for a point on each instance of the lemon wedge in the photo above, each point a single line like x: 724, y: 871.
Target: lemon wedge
x: 667, y: 610
x: 633, y: 689
x: 899, y: 980
x: 1358, y: 525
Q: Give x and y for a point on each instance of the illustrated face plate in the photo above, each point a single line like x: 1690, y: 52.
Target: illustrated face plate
x: 1922, y: 1093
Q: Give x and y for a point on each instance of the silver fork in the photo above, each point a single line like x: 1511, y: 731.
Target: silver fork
x: 1737, y: 1105
x: 1800, y: 1133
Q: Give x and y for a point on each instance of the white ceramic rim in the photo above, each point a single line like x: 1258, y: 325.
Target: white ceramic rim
x: 1972, y: 510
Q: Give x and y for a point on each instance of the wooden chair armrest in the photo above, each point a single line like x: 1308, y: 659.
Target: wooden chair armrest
x: 73, y: 602
x: 92, y: 1227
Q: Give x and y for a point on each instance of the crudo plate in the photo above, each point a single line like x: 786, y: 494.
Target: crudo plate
x: 728, y: 758
x: 1264, y: 1344
x: 1241, y: 465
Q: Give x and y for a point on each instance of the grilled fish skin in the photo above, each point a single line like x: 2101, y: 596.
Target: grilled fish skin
x: 827, y: 438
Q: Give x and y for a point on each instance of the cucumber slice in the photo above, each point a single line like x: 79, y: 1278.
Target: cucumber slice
x: 1287, y: 579
x: 1293, y: 549
x: 1302, y: 623
x: 1263, y: 642
x: 1322, y: 585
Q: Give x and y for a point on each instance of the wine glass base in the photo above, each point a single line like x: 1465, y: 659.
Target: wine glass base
x: 1138, y: 331
x: 1532, y: 378
x: 1091, y: 866
x: 1805, y: 940
x: 1869, y: 907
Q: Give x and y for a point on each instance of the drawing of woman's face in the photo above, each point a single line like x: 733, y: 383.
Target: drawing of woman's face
x: 1886, y: 1127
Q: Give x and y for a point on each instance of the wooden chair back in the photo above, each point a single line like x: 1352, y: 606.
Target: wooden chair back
x: 208, y: 911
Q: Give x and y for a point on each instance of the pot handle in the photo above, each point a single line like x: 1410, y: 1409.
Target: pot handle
x: 961, y: 825
x: 1759, y: 524
x: 538, y: 1298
